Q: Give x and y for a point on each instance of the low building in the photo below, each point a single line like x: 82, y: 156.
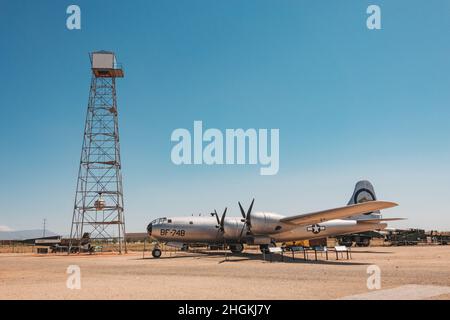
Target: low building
x: 136, y: 236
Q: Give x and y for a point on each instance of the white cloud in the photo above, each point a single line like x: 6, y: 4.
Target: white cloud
x: 5, y: 228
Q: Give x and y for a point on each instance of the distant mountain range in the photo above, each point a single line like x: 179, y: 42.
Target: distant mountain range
x: 25, y: 234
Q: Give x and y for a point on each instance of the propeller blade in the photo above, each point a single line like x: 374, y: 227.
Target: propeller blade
x: 242, y: 210
x: 222, y: 221
x: 250, y: 210
x: 217, y: 217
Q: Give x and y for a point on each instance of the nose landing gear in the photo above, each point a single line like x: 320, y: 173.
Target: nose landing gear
x: 156, y: 253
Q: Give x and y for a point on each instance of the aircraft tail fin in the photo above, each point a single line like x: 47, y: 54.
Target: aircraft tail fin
x: 364, y: 192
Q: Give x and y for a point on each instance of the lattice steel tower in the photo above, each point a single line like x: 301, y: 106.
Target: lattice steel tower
x: 98, y: 208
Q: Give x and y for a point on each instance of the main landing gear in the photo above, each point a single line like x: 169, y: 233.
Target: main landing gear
x: 236, y: 248
x: 265, y: 247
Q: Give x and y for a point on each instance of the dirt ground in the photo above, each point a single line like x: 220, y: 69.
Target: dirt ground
x: 211, y: 276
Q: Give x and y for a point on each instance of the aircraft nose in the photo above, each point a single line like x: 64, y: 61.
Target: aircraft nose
x: 149, y: 229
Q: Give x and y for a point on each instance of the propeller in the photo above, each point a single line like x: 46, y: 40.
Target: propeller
x: 246, y: 217
x: 221, y: 221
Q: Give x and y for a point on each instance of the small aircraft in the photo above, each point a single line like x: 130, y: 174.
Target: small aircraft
x: 265, y: 229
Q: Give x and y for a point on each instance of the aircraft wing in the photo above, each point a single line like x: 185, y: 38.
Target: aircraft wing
x: 338, y: 213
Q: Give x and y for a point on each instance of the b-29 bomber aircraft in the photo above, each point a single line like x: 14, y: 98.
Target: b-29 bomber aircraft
x: 362, y: 213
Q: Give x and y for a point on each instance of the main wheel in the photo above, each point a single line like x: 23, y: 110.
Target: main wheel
x: 364, y: 242
x: 347, y: 243
x: 265, y: 247
x: 237, y: 248
x: 156, y: 253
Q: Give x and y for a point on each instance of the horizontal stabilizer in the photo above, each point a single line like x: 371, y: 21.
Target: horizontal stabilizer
x: 338, y: 213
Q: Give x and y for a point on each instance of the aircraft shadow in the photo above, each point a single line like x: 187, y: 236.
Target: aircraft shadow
x: 288, y: 259
x: 181, y: 255
x: 276, y: 258
x: 375, y: 252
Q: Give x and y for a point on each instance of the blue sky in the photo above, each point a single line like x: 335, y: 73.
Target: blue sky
x: 350, y: 104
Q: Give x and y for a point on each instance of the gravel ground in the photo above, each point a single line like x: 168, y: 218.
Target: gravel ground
x: 211, y: 276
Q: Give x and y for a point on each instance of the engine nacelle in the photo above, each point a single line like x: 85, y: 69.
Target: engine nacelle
x: 267, y: 223
x: 234, y: 229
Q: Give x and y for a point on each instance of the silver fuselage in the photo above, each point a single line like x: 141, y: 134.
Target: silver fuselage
x: 204, y: 229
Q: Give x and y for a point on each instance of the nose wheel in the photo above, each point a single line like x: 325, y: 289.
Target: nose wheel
x: 156, y: 253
